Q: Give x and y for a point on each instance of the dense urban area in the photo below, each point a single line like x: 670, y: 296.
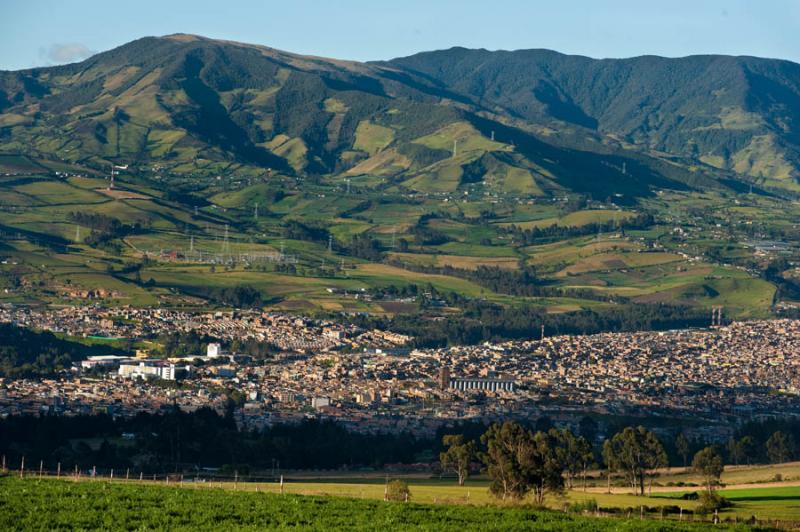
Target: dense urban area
x: 372, y: 380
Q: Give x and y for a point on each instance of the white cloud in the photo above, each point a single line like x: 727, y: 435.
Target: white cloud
x: 68, y: 52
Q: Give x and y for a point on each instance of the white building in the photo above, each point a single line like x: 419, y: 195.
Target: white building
x: 147, y: 370
x: 213, y: 350
x: 491, y: 385
x: 320, y: 402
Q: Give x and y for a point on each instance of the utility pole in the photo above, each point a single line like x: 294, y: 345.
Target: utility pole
x: 455, y: 148
x: 330, y: 243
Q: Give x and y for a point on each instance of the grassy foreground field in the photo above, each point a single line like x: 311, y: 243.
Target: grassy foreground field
x: 52, y: 504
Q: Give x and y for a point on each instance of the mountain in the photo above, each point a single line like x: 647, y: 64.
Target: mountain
x: 507, y: 178
x: 735, y: 113
x: 526, y: 123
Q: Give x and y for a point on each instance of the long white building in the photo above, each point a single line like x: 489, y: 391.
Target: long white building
x: 490, y: 385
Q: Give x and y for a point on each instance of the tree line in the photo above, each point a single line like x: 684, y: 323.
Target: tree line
x: 103, y: 228
x: 522, y: 282
x: 482, y: 321
x: 518, y: 458
x: 25, y: 353
x: 539, y: 235
x: 521, y: 462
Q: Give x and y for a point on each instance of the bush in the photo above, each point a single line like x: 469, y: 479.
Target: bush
x: 397, y: 490
x: 710, y: 502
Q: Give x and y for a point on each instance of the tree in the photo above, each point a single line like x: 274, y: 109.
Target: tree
x: 636, y: 452
x: 735, y: 451
x: 708, y: 463
x: 507, y: 445
x: 780, y: 447
x: 397, y: 490
x: 575, y: 454
x: 542, y: 466
x: 748, y: 445
x: 458, y: 456
x: 518, y: 461
x: 682, y: 447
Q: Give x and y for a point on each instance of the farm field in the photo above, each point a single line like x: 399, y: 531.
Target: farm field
x: 225, y: 221
x: 52, y: 504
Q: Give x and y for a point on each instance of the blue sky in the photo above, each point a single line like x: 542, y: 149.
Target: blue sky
x: 46, y: 32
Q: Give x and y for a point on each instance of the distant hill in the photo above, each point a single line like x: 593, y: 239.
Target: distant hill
x: 528, y: 123
x: 735, y: 113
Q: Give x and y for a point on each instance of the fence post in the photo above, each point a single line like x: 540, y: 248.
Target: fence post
x: 141, y: 476
x: 112, y: 475
x: 281, y: 484
x: 58, y: 470
x: 41, y: 468
x: 94, y: 472
x: 22, y: 468
x: 4, y: 463
x: 128, y: 473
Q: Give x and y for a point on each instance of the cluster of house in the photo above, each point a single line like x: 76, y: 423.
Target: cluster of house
x: 747, y: 369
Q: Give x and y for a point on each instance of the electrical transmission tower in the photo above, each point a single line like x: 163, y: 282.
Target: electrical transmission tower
x: 226, y: 246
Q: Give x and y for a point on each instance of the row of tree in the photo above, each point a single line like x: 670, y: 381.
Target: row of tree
x: 520, y: 461
x: 176, y: 441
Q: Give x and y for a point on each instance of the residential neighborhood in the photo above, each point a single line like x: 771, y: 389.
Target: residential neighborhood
x: 373, y: 380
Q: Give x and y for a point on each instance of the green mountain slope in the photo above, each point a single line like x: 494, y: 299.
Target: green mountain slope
x: 735, y: 113
x: 187, y: 105
x: 336, y: 186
